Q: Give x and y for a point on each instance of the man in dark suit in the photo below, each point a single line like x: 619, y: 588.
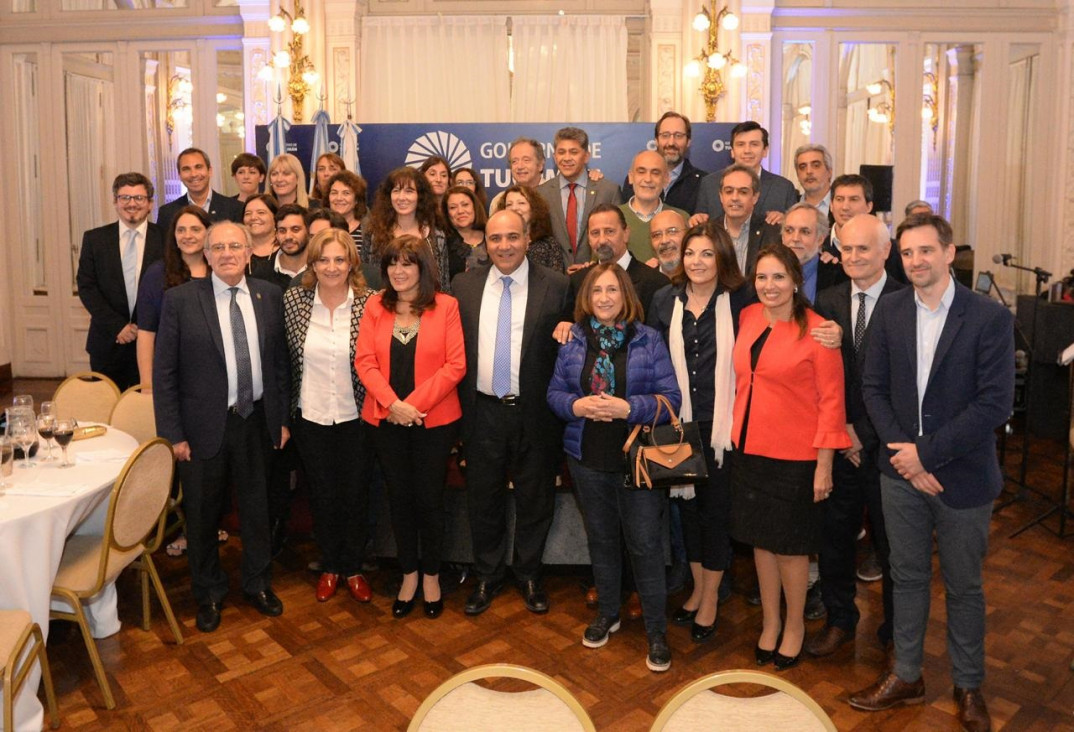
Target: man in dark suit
x: 571, y: 195
x: 938, y: 381
x: 110, y: 265
x: 673, y: 134
x: 856, y: 479
x: 852, y: 195
x: 813, y: 166
x: 804, y: 228
x: 196, y: 172
x: 749, y: 146
x: 507, y: 427
x: 739, y: 191
x: 221, y: 385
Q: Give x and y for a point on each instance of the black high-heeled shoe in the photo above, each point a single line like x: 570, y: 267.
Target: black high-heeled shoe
x: 682, y: 616
x: 402, y: 608
x: 434, y: 608
x: 783, y: 663
x: 766, y: 657
x: 702, y: 633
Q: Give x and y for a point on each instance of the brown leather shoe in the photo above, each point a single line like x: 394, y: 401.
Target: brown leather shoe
x: 828, y: 641
x: 972, y: 712
x: 633, y: 607
x: 888, y: 691
x: 592, y: 599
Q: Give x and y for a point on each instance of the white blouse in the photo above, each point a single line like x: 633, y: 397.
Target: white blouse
x: 327, y: 393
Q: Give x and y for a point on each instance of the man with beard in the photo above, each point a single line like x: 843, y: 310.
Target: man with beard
x: 673, y: 134
x: 292, y: 236
x: 666, y: 230
x: 813, y: 164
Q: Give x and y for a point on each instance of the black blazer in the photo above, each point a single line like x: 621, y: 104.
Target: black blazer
x: 834, y: 303
x: 221, y: 208
x: 777, y: 194
x: 545, y: 303
x: 190, y: 374
x: 101, y: 287
x: 970, y: 391
x: 682, y: 193
x: 762, y: 234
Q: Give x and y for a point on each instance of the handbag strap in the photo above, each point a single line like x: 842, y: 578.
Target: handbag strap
x: 630, y: 438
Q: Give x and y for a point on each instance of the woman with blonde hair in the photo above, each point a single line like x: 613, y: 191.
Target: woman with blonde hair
x: 287, y: 180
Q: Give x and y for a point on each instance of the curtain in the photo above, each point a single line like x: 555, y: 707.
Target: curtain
x: 569, y: 68
x: 449, y: 69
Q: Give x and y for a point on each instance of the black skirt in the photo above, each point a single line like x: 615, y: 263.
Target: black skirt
x: 772, y: 504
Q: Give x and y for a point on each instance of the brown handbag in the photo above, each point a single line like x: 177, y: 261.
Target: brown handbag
x: 663, y: 456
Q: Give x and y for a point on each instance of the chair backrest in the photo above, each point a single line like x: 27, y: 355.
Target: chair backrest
x: 697, y: 707
x: 88, y: 397
x: 133, y: 414
x: 134, y: 507
x: 460, y: 704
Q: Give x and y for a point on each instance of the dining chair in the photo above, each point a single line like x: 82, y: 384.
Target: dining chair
x: 90, y: 562
x: 88, y: 396
x: 697, y: 706
x: 461, y: 704
x: 20, y: 643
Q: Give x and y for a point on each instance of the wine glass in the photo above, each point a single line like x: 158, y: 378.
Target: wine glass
x: 22, y: 431
x: 7, y: 455
x: 48, y: 408
x: 45, y: 424
x: 23, y: 400
x: 62, y: 432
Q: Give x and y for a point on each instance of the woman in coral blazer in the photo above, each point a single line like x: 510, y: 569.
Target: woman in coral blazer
x: 410, y: 357
x: 789, y: 419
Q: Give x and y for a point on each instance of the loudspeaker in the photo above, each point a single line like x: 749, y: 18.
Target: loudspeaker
x: 881, y: 177
x: 1050, y: 330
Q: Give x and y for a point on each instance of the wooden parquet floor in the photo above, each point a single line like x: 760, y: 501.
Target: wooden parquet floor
x: 345, y: 666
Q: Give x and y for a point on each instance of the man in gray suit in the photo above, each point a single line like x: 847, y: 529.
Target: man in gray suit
x: 571, y: 195
x: 749, y: 146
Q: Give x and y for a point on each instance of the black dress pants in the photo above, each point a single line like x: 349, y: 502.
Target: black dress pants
x: 338, y: 463
x: 501, y: 449
x: 242, y: 463
x: 854, y: 488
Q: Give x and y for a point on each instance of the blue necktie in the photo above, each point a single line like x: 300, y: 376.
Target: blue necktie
x: 501, y: 356
x: 244, y: 372
x: 130, y: 269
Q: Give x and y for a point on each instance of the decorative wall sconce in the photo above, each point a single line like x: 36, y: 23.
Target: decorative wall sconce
x: 883, y: 112
x: 301, y: 73
x: 929, y: 105
x: 180, y: 110
x: 712, y: 58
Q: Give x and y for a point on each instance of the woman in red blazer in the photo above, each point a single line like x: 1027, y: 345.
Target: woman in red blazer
x: 410, y: 357
x: 789, y: 419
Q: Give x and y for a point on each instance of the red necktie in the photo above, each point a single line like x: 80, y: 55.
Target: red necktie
x: 572, y: 217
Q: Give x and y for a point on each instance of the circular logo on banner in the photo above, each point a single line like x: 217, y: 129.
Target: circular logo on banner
x: 441, y: 143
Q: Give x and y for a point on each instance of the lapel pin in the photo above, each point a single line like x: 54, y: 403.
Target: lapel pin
x: 259, y: 296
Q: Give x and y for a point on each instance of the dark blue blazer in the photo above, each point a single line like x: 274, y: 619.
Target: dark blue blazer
x: 970, y: 391
x: 221, y: 208
x: 777, y: 194
x: 190, y: 374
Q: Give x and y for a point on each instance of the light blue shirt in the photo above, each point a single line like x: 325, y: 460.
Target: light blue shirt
x: 222, y: 295
x: 930, y: 325
x: 809, y: 278
x: 674, y: 173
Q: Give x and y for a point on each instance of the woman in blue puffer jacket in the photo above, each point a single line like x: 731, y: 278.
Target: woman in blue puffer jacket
x: 606, y: 380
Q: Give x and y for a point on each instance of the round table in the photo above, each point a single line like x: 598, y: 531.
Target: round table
x: 34, y: 528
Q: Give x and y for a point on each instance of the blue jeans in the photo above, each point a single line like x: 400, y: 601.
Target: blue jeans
x: 607, y: 503
x: 962, y: 537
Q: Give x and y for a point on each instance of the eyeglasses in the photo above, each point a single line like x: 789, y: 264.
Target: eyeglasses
x: 670, y: 231
x: 677, y: 136
x: 127, y: 199
x: 235, y: 246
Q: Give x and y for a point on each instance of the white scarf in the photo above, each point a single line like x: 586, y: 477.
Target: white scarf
x: 724, y: 402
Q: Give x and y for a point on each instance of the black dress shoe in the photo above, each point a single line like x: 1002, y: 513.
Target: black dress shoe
x: 433, y: 609
x: 534, y: 596
x: 783, y: 663
x: 402, y: 608
x: 682, y: 616
x: 481, y: 598
x: 702, y: 633
x: 266, y: 602
x: 208, y: 618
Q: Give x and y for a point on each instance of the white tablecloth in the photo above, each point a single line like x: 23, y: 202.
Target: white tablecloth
x: 33, y: 529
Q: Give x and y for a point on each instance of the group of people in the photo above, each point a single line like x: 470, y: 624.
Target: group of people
x: 550, y: 321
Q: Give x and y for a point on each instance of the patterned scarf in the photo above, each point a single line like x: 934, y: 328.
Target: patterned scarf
x: 610, y: 339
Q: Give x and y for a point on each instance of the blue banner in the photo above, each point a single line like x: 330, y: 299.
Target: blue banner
x: 484, y: 147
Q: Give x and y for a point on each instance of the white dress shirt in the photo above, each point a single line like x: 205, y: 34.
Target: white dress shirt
x: 222, y: 295
x: 327, y: 393
x: 871, y: 296
x: 489, y: 317
x: 930, y: 325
